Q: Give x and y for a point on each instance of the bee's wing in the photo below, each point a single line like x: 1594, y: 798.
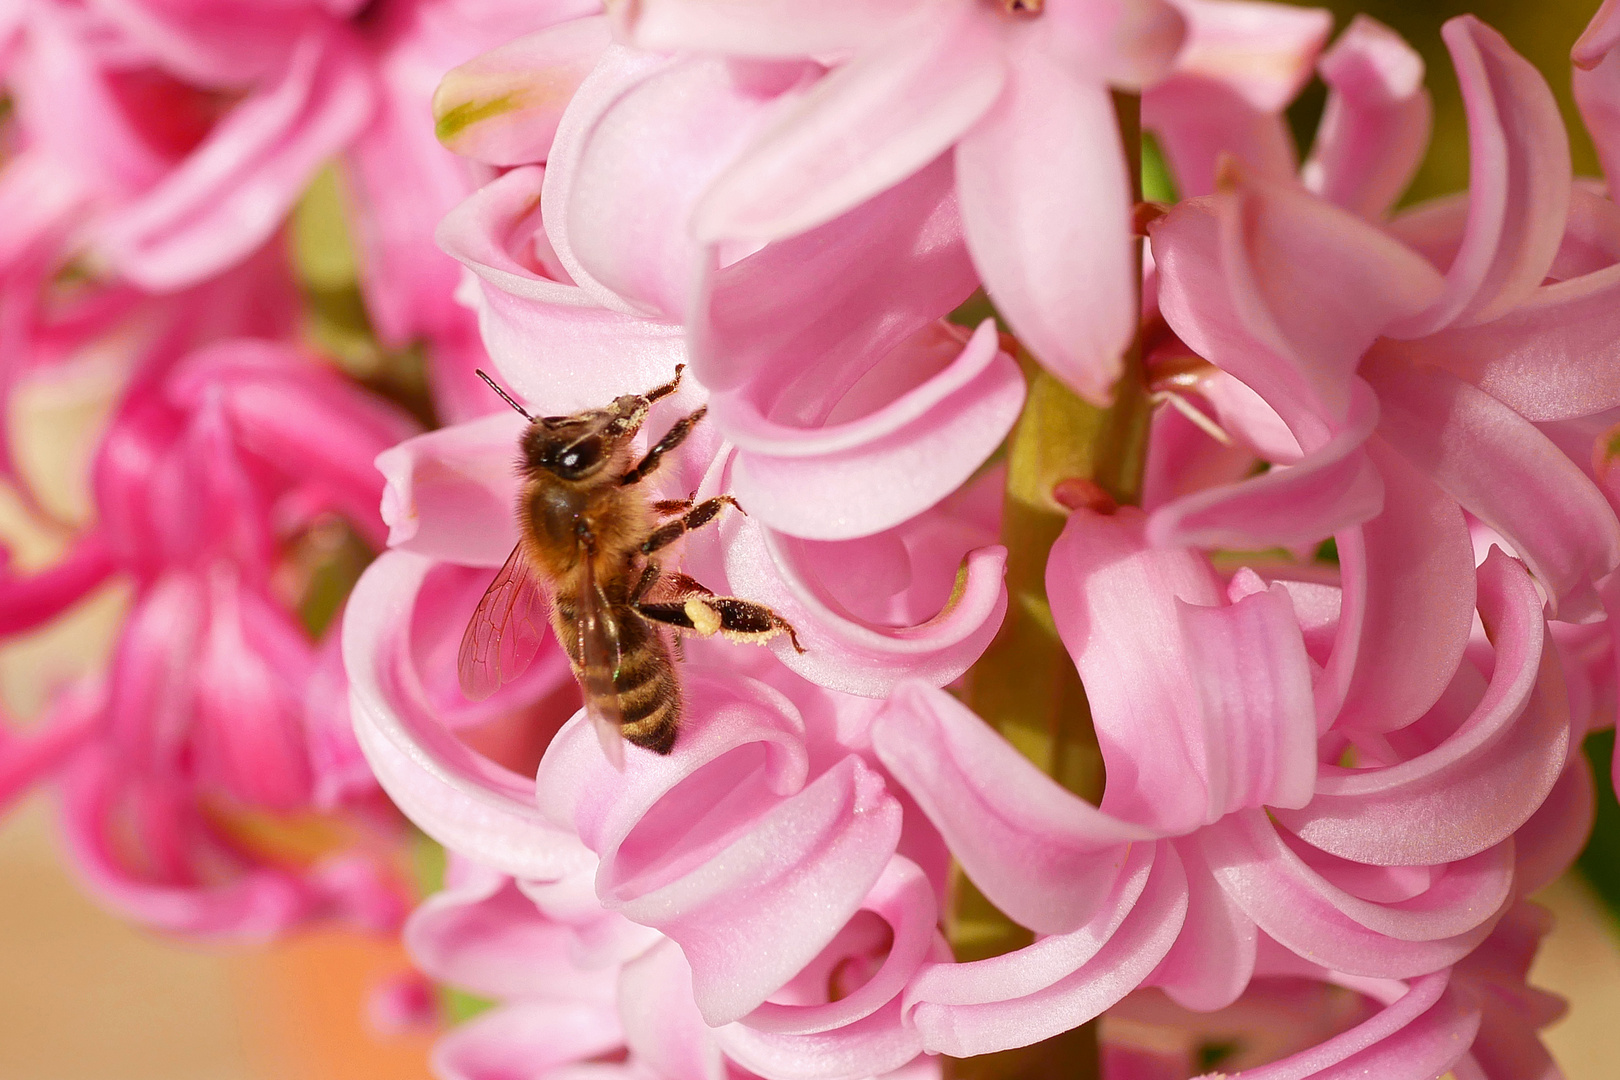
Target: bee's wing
x: 505, y: 631
x: 599, y: 664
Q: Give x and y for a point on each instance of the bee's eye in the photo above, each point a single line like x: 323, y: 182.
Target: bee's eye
x: 573, y: 462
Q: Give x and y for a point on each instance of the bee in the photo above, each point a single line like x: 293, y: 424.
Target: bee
x: 589, y: 535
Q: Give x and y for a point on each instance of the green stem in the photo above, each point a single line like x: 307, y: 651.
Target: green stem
x: 1026, y: 685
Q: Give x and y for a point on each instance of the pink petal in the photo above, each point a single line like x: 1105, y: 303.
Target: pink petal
x: 233, y: 191
x: 75, y: 720
x: 451, y: 494
x: 1547, y: 844
x: 1116, y: 603
x: 1552, y: 357
x: 461, y: 799
x: 1519, y: 178
x: 723, y: 844
x: 480, y: 933
x: 834, y: 296
x: 591, y: 354
x: 1481, y: 783
x: 1264, y: 51
x: 1059, y: 982
x: 662, y: 1023
x: 1326, y: 924
x: 1597, y: 84
x: 1315, y: 285
x: 894, y: 461
x: 1182, y: 459
x: 1199, y: 120
x: 1507, y: 474
x: 1333, y: 488
x: 527, y: 1040
x: 26, y: 602
x: 867, y: 125
x: 878, y: 1046
x: 1213, y: 958
x: 1375, y: 128
x: 1418, y: 1036
x: 1417, y: 607
x: 503, y: 107
x: 847, y: 651
x: 768, y: 28
x: 1063, y: 276
x: 1045, y: 857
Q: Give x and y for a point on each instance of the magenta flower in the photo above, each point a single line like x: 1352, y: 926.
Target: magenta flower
x: 199, y: 737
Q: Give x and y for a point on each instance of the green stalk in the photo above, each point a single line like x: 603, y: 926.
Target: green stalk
x: 1026, y: 685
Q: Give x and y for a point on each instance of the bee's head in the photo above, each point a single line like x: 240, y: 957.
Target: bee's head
x: 574, y: 447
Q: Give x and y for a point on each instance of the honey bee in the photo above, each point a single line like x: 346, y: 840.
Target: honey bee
x: 588, y: 535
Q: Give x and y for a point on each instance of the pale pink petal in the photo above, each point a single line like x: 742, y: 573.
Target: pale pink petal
x: 550, y: 341
x: 1198, y: 121
x: 905, y: 901
x: 1415, y: 597
x: 836, y: 295
x: 1042, y: 855
x: 1116, y: 604
x: 1315, y: 284
x: 451, y: 494
x: 527, y: 1040
x: 1591, y: 235
x: 503, y: 107
x: 1183, y: 459
x: 1548, y: 843
x: 880, y: 1045
x: 662, y: 1025
x: 864, y: 127
x: 1481, y: 783
x: 1375, y: 128
x: 1418, y: 1036
x: 1059, y: 982
x: 1330, y: 489
x: 1048, y: 222
x: 1552, y: 357
x: 1213, y: 958
x: 461, y: 799
x: 1597, y: 85
x: 921, y: 601
x: 774, y: 866
x: 1264, y: 51
x: 481, y: 934
x: 844, y: 479
x: 1507, y: 474
x: 766, y: 28
x: 1301, y: 906
x: 1519, y: 180
x: 233, y: 191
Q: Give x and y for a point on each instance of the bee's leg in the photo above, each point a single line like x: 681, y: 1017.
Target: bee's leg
x: 667, y: 388
x: 729, y: 616
x: 672, y: 506
x: 695, y: 518
x: 672, y: 438
x: 649, y: 578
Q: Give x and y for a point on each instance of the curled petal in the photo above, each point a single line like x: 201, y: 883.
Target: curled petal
x: 531, y: 311
x: 1063, y: 276
x: 482, y: 934
x: 527, y: 1040
x: 1480, y: 784
x: 1058, y: 982
x: 1042, y: 855
x: 26, y: 602
x: 890, y: 464
x: 661, y: 1021
x: 1548, y: 843
x: 1263, y: 52
x: 1318, y: 920
x: 879, y: 1045
x: 836, y: 296
x: 1597, y: 84
x: 846, y: 649
x: 1552, y: 357
x: 1213, y: 958
x: 1419, y: 1035
x: 231, y: 193
x: 461, y: 799
x: 1506, y: 473
x: 777, y: 865
x: 767, y: 28
x: 864, y: 127
x: 1375, y: 128
x: 1200, y: 121
x: 1519, y: 181
x: 503, y: 107
x: 450, y: 493
x: 1415, y: 599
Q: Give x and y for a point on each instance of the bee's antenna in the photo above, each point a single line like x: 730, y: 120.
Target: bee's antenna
x: 493, y: 385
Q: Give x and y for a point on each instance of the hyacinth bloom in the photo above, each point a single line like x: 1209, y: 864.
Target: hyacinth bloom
x: 211, y: 735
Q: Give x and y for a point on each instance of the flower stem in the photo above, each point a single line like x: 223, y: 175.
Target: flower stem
x: 1026, y: 684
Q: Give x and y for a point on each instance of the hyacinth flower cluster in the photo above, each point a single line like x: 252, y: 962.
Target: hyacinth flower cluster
x: 1200, y: 635
x: 1331, y: 783
x: 150, y: 156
